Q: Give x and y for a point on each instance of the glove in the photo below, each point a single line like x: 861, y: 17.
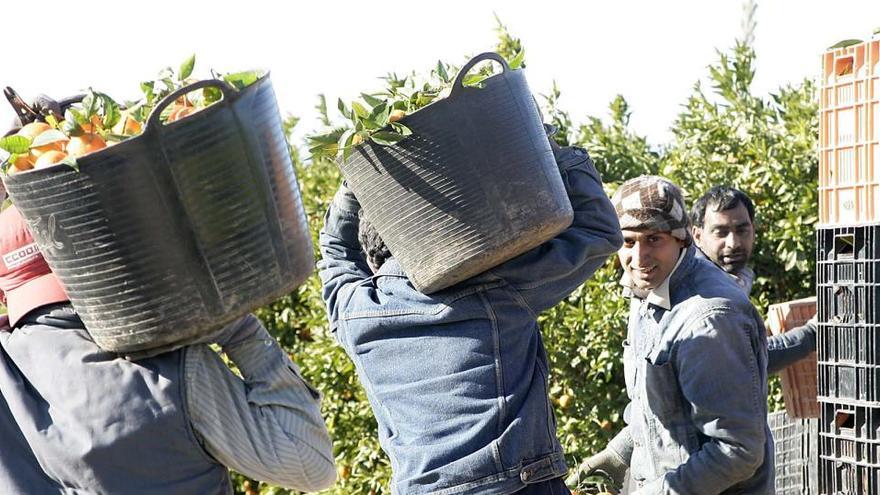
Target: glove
x: 41, y: 107
x: 607, y: 462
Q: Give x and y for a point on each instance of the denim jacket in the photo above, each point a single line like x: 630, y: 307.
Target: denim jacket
x: 458, y: 379
x: 785, y: 349
x: 696, y: 377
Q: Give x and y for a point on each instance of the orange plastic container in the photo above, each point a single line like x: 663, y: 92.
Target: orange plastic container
x: 798, y: 380
x: 849, y: 136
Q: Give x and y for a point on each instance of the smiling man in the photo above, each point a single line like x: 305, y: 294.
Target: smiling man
x: 694, y: 361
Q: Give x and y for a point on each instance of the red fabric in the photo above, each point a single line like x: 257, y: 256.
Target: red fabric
x: 26, y: 280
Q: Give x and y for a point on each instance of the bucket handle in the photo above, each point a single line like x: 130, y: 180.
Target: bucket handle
x: 459, y: 79
x: 223, y: 86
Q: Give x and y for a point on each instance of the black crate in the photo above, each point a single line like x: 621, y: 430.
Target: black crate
x: 795, y: 444
x: 850, y: 382
x: 848, y: 274
x: 848, y: 343
x: 849, y: 448
x: 848, y: 243
x: 846, y: 478
x: 849, y: 302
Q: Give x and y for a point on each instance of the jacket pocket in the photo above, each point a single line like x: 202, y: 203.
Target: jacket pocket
x: 662, y: 391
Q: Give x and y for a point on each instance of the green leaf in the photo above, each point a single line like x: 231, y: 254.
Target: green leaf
x: 89, y: 105
x: 15, y: 144
x: 371, y: 100
x: 340, y: 105
x: 344, y: 144
x: 70, y: 162
x: 321, y: 107
x: 876, y: 31
x: 47, y: 137
x: 241, y: 80
x: 379, y: 115
x: 328, y: 138
x: 517, y: 60
x: 147, y: 89
x: 386, y: 138
x: 844, y: 43
x: 401, y: 129
x: 111, y: 111
x: 212, y: 94
x: 359, y: 109
x: 441, y: 72
x: 186, y: 68
x: 473, y: 80
x: 345, y: 138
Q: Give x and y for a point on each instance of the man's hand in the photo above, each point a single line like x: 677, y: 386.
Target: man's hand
x: 606, y: 462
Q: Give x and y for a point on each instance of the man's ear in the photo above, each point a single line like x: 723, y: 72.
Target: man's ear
x: 696, y: 232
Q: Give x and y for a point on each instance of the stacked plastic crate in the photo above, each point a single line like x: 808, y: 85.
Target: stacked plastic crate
x: 848, y: 271
x: 795, y: 442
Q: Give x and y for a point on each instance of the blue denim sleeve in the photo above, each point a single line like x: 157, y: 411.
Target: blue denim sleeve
x: 342, y: 261
x: 722, y: 379
x: 548, y: 273
x: 787, y: 348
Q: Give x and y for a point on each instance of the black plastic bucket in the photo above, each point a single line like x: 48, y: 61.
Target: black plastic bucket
x: 166, y: 236
x: 473, y: 186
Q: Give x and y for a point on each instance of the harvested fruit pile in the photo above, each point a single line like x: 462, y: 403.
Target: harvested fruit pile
x: 98, y: 121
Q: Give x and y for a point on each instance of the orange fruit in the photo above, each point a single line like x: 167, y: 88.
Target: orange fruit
x: 564, y: 401
x: 33, y: 129
x: 38, y: 151
x: 94, y: 123
x: 85, y: 144
x: 49, y: 158
x: 180, y: 112
x: 127, y: 126
x: 23, y: 162
x: 396, y: 115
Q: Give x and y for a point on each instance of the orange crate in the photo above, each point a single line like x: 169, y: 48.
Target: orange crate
x: 799, y: 379
x: 849, y: 136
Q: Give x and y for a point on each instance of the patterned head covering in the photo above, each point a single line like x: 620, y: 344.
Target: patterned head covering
x: 651, y: 203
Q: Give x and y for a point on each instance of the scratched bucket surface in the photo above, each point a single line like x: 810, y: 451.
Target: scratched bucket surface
x: 475, y: 184
x: 165, y: 237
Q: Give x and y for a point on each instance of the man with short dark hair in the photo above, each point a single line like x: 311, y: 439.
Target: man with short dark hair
x: 723, y: 226
x: 457, y: 379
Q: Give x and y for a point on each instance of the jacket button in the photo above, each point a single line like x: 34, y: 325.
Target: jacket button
x: 524, y: 476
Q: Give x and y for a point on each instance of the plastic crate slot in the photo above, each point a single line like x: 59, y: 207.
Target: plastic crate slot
x: 844, y: 306
x: 844, y: 246
x: 843, y: 66
x: 845, y: 421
